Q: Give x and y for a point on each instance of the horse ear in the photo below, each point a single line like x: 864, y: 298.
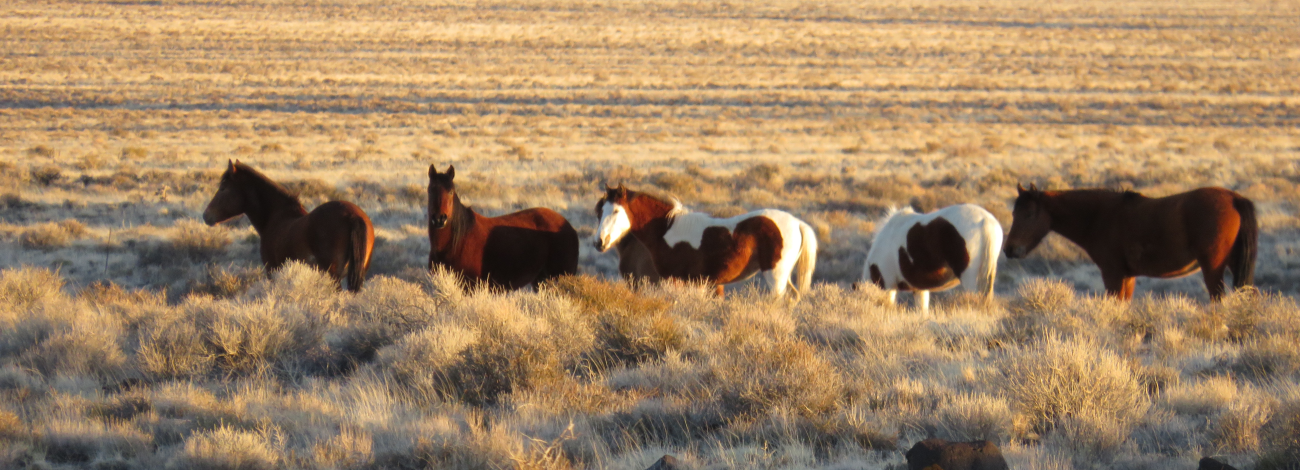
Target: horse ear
x: 1033, y: 187
x: 1020, y: 188
x: 230, y: 165
x: 451, y: 172
x: 433, y: 170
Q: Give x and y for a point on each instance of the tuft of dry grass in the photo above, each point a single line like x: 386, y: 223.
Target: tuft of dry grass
x: 630, y: 327
x: 1281, y: 436
x: 1237, y: 428
x: 975, y: 417
x: 197, y: 240
x: 227, y: 448
x: 1054, y: 379
x: 52, y: 235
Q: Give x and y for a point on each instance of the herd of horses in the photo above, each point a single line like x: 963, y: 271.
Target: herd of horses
x: 1213, y: 230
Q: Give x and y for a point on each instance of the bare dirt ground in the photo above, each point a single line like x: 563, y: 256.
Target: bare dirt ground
x: 117, y: 117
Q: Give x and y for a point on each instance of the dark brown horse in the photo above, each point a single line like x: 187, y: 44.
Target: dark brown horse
x: 336, y: 237
x: 634, y: 260
x: 1128, y: 234
x: 774, y: 245
x: 510, y: 251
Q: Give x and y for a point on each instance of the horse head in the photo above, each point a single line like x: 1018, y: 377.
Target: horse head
x: 228, y: 202
x: 615, y: 220
x: 1030, y: 222
x: 442, y: 196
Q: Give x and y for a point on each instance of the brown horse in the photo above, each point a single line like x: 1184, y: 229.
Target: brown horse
x: 1128, y: 234
x: 695, y: 247
x: 634, y: 260
x: 336, y: 237
x: 511, y: 251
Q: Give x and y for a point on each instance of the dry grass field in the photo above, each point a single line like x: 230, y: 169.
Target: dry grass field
x: 134, y: 336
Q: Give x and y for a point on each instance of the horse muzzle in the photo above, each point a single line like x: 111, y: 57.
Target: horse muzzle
x: 600, y: 245
x: 438, y: 221
x: 1016, y: 251
x: 209, y: 219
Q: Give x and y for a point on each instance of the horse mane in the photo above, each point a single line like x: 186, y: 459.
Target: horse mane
x: 676, y: 208
x: 462, y: 220
x: 267, y: 187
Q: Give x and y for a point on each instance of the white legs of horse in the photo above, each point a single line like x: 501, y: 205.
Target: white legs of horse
x: 922, y: 298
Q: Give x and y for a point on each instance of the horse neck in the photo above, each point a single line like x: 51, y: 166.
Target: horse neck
x: 1076, y: 213
x: 272, y: 207
x: 452, y: 237
x: 650, y: 219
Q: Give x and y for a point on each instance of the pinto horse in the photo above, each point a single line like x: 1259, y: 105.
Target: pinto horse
x: 511, y: 251
x: 336, y: 237
x: 695, y: 247
x: 1128, y: 234
x: 634, y: 260
x: 935, y: 251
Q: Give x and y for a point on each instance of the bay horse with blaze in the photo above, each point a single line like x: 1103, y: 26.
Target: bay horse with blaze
x: 935, y: 251
x: 693, y: 246
x: 336, y: 237
x: 511, y: 251
x: 1127, y: 234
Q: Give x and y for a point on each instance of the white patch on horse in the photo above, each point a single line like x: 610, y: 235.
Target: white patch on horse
x: 689, y: 226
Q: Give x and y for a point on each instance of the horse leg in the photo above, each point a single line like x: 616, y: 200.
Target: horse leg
x: 719, y: 291
x: 923, y: 298
x: 1120, y: 287
x: 1214, y: 280
x: 1214, y: 262
x: 779, y: 279
x: 335, y: 272
x: 892, y: 295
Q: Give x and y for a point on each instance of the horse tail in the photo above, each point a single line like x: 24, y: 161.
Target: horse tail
x: 1245, y: 248
x: 807, y: 260
x: 358, y: 253
x: 989, y: 258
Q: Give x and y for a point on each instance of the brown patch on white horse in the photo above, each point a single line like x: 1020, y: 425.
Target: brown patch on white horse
x: 935, y: 256
x: 876, y: 278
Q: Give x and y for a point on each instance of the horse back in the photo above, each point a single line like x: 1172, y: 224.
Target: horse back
x: 1199, y: 211
x: 336, y: 214
x: 537, y: 218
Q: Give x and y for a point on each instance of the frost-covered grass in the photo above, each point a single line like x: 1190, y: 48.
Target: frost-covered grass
x: 422, y: 372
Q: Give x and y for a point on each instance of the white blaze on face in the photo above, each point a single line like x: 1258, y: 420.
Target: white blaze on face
x: 614, y: 225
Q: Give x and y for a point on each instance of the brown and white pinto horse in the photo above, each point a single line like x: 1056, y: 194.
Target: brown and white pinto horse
x: 336, y: 237
x: 695, y: 247
x: 1128, y: 234
x: 935, y: 251
x: 511, y: 251
x: 634, y: 260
